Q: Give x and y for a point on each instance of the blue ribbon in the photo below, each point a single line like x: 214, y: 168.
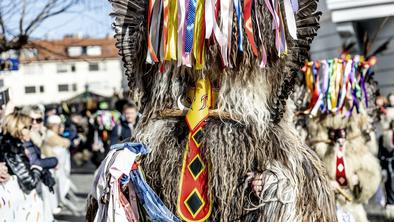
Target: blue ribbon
x: 152, y: 204
x: 295, y: 5
x: 136, y: 148
x: 190, y: 26
x: 238, y: 11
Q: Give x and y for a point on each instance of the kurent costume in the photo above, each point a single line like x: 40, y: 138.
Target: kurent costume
x: 212, y: 79
x: 338, y: 100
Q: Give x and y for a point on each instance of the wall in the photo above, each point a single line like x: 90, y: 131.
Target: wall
x: 105, y: 81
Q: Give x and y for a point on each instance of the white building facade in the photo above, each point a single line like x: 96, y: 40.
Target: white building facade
x: 52, y: 80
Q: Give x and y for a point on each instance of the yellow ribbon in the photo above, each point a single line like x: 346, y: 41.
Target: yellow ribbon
x: 198, y: 44
x: 332, y: 84
x: 172, y: 34
x: 308, y: 76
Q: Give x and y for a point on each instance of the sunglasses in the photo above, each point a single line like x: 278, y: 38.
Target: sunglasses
x: 37, y: 120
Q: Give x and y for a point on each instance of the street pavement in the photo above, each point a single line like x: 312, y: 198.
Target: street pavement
x: 82, y: 177
x: 83, y: 183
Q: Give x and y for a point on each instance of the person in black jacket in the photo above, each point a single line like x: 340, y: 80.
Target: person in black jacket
x: 15, y: 131
x: 128, y: 121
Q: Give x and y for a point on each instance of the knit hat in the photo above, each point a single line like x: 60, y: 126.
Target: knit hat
x: 54, y: 119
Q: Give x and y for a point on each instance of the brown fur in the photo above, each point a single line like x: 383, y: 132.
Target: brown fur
x: 359, y: 160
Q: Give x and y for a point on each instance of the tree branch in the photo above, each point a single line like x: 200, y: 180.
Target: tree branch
x: 23, y: 14
x: 15, y: 31
x: 47, y: 13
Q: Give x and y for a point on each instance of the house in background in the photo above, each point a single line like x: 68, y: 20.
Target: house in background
x: 349, y: 20
x: 51, y: 71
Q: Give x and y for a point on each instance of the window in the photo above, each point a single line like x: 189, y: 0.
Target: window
x: 73, y: 68
x: 42, y: 89
x: 93, y: 50
x: 29, y: 53
x: 74, y: 86
x: 74, y: 51
x: 94, y: 66
x: 62, y: 68
x: 30, y: 89
x: 62, y: 88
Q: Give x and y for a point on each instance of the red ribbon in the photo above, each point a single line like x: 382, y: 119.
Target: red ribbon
x: 249, y: 25
x: 150, y: 47
x: 165, y: 26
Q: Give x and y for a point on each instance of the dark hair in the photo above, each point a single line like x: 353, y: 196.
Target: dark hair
x: 129, y: 105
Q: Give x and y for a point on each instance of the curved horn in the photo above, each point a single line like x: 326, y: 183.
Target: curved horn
x: 181, y: 106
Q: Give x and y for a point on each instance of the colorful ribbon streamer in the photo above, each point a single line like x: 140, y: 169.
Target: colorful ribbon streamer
x: 153, y: 19
x: 199, y: 35
x: 171, y: 51
x: 177, y: 29
x: 332, y: 84
x: 248, y: 25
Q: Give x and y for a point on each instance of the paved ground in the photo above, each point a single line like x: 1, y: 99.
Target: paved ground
x: 83, y: 183
x: 82, y: 177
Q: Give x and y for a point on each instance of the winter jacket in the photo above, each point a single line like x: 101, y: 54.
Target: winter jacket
x: 34, y: 155
x: 121, y: 132
x: 12, y: 152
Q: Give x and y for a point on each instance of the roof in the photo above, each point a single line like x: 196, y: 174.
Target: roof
x: 85, y: 96
x: 42, y: 50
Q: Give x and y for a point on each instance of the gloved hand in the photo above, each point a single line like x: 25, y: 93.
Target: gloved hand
x: 47, y: 179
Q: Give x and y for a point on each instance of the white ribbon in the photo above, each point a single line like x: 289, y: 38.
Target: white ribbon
x: 209, y: 18
x: 290, y: 19
x: 348, y: 69
x: 225, y: 16
x: 181, y: 25
x: 317, y: 105
x: 230, y: 28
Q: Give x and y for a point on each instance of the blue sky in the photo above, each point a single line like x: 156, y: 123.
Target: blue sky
x: 87, y: 20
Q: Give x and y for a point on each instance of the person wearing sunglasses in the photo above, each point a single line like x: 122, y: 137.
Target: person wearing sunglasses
x: 38, y: 130
x: 20, y: 192
x: 33, y: 150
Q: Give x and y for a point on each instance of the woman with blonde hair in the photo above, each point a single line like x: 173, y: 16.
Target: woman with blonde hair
x: 18, y: 193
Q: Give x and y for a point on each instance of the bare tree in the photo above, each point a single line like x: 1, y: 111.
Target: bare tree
x: 19, y: 18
